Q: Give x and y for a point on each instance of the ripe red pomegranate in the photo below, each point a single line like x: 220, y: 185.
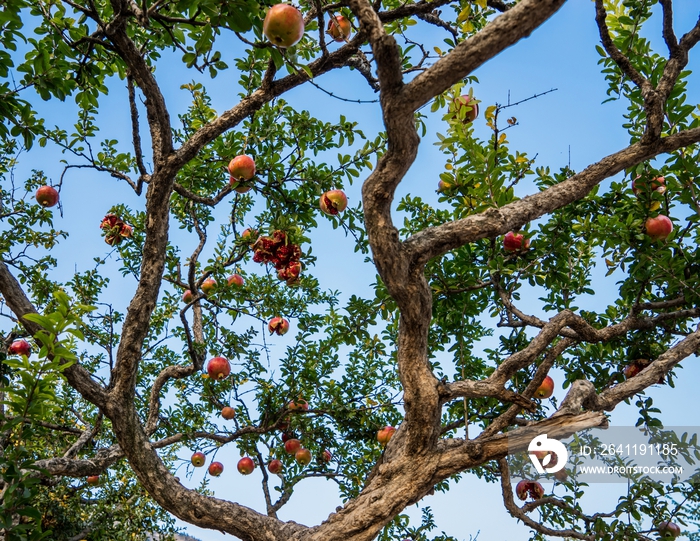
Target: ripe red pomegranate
x: 515, y: 242
x: 216, y: 469
x: 246, y: 465
x: 303, y: 456
x: 283, y: 25
x: 242, y: 167
x: 545, y: 389
x: 198, y: 459
x: 339, y: 28
x: 669, y: 530
x: 19, y: 347
x: 659, y: 228
x: 46, y: 196
x: 235, y: 280
x: 218, y: 368
x: 292, y: 446
x: 274, y: 466
x: 93, y: 480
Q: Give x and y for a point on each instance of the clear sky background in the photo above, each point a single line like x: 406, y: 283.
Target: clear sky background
x: 566, y: 126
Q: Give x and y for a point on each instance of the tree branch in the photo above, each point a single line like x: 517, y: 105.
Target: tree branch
x: 620, y: 59
x: 486, y: 388
x: 136, y: 136
x: 71, y: 467
x: 269, y: 90
x: 157, y: 112
x: 517, y: 512
x: 85, y: 437
x: 513, y: 25
x: 509, y: 416
x: 668, y: 33
x: 209, y: 201
x: 435, y: 241
x: 384, y: 48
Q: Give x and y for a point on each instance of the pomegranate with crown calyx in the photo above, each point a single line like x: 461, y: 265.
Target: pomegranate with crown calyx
x: 246, y: 465
x: 198, y: 459
x: 303, y: 456
x: 545, y: 389
x: 46, y: 196
x: 218, y: 368
x: 669, y: 530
